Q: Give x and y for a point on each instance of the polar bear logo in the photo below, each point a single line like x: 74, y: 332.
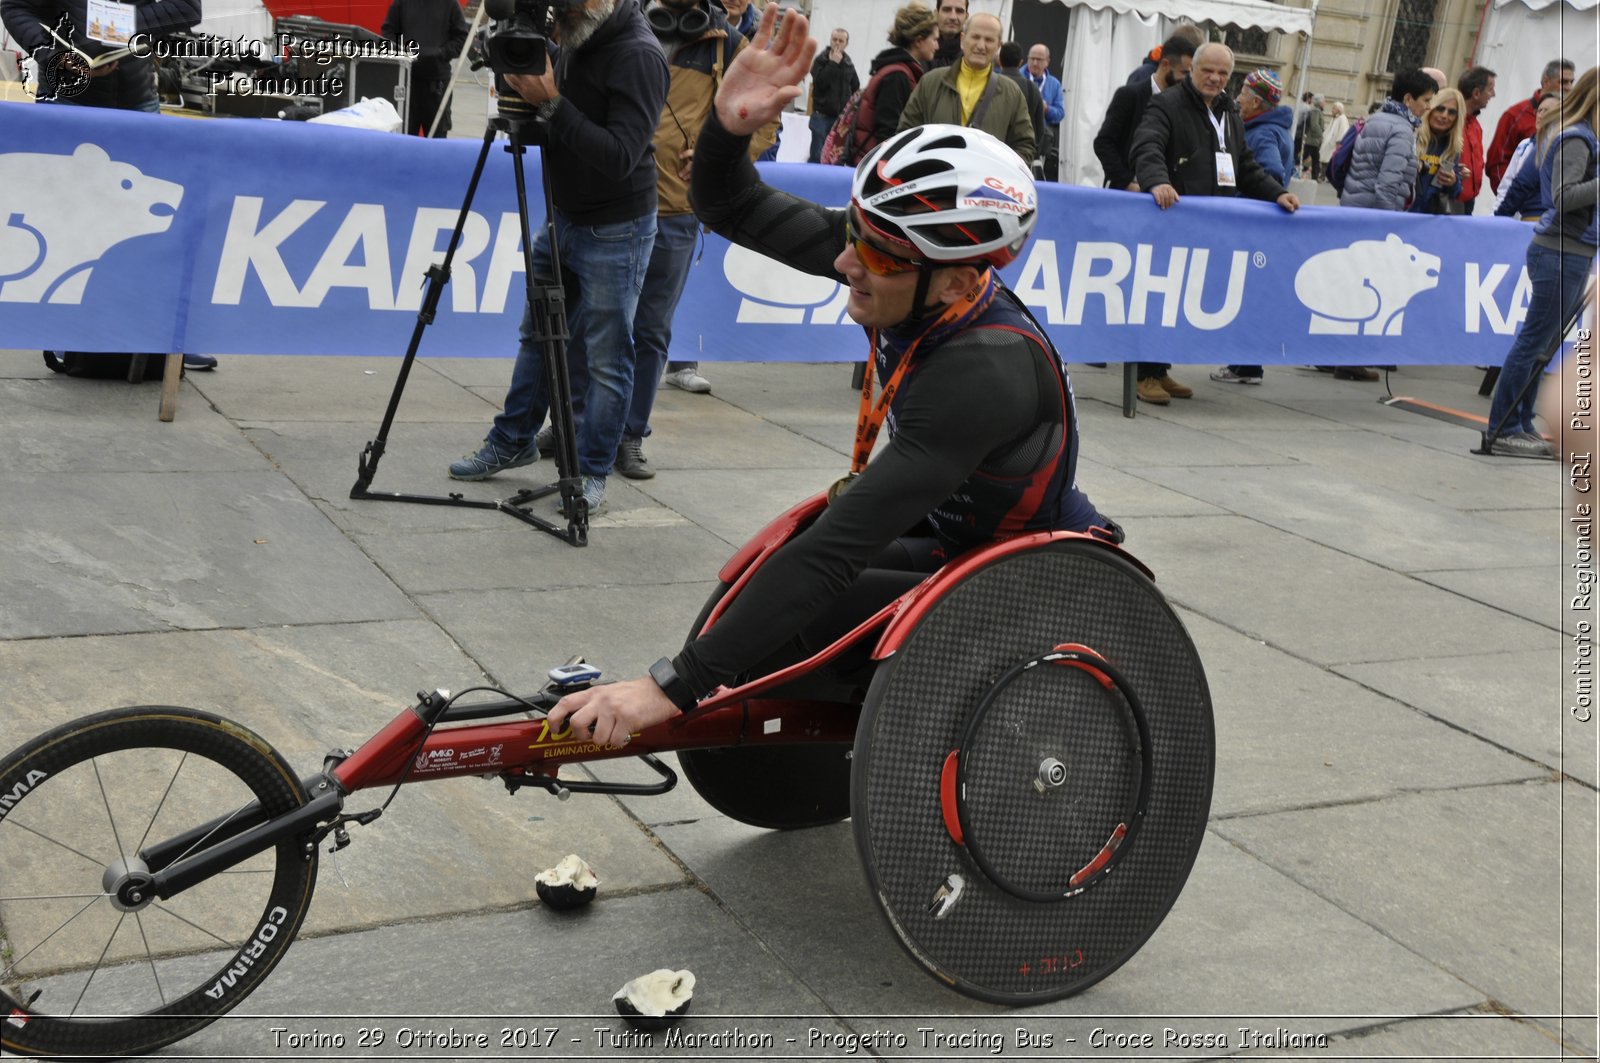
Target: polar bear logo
x: 59, y: 214
x: 1364, y: 287
x: 774, y: 294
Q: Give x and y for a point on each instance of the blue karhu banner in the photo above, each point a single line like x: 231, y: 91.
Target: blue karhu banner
x: 126, y: 232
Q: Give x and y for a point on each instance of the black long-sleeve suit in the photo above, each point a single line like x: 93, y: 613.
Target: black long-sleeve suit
x: 983, y: 440
x: 1113, y: 145
x: 1177, y: 145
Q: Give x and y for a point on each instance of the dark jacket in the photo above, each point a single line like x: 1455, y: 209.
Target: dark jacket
x: 1272, y: 142
x: 1144, y: 71
x: 1035, y: 103
x: 949, y: 51
x: 601, y: 163
x: 25, y: 20
x: 1177, y: 145
x: 1113, y: 145
x: 881, y: 106
x: 438, y: 29
x: 832, y: 83
x: 1315, y: 123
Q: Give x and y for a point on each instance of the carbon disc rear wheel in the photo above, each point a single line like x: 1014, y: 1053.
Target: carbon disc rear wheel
x: 92, y: 965
x: 1084, y: 800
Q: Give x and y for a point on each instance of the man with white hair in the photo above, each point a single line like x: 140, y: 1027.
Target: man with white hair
x: 1191, y: 142
x: 970, y: 93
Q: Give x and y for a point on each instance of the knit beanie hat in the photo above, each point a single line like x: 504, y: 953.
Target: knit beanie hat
x: 1265, y: 83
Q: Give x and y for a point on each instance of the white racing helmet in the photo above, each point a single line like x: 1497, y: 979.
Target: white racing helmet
x: 948, y: 193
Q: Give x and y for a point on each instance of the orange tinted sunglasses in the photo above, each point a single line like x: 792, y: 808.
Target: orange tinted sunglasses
x: 876, y: 260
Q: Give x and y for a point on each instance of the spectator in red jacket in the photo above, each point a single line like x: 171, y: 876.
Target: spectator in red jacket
x: 1516, y: 125
x: 1477, y: 88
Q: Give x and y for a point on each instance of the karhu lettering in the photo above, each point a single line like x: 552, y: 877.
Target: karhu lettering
x: 248, y: 955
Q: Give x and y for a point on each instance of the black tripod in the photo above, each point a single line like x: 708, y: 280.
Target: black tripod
x: 548, y: 304
x: 1486, y: 444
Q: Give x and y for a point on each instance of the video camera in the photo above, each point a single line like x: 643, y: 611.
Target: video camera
x: 518, y: 38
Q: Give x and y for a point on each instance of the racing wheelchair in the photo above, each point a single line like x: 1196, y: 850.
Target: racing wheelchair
x: 1028, y: 772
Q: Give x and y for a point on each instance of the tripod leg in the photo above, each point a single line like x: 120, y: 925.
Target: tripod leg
x: 438, y: 276
x: 548, y: 302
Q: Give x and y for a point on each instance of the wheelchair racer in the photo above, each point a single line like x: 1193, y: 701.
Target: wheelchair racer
x: 983, y: 431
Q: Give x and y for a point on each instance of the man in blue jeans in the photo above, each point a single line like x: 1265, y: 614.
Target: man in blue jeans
x: 603, y: 97
x: 700, y: 45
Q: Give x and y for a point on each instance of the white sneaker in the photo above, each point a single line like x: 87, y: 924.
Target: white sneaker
x: 687, y: 379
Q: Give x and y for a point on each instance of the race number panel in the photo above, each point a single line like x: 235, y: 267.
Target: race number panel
x: 1049, y: 773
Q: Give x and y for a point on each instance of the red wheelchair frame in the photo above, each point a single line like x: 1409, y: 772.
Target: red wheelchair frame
x: 413, y: 747
x: 529, y: 753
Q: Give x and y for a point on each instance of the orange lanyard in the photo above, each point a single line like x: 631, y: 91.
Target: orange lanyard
x: 870, y: 420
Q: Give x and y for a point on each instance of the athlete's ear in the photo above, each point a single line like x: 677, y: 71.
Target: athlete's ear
x: 954, y: 282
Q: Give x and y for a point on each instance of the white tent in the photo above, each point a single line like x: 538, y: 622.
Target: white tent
x: 1517, y: 39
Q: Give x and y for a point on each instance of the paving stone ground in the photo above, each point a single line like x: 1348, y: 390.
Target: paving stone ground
x: 1401, y: 857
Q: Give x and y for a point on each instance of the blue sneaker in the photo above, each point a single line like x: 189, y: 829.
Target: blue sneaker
x: 490, y: 459
x: 199, y: 362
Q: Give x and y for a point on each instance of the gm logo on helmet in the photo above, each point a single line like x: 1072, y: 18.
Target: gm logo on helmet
x: 995, y: 194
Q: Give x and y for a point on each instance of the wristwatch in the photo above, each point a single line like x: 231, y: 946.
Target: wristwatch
x: 673, y: 685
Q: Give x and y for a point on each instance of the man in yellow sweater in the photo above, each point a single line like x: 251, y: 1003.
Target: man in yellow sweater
x: 973, y: 92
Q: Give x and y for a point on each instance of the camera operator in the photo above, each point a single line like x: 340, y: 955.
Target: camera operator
x: 127, y: 84
x: 603, y: 96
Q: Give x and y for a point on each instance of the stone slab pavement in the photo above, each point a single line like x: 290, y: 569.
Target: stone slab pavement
x: 1401, y: 860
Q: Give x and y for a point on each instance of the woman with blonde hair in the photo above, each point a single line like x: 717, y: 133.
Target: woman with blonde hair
x: 1560, y: 256
x: 1439, y: 140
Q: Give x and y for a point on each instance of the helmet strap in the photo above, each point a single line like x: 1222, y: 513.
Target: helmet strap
x: 920, y: 310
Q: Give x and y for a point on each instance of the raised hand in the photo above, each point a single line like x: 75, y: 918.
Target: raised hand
x: 766, y: 76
